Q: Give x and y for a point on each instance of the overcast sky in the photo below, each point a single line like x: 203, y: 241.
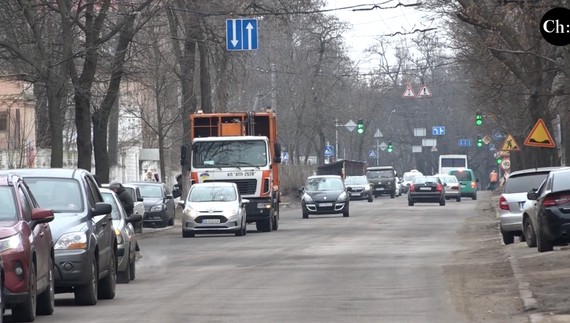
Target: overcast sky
x: 368, y: 25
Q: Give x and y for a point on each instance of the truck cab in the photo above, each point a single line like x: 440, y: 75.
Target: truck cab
x: 382, y: 179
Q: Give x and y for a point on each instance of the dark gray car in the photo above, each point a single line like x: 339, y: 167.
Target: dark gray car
x: 324, y: 194
x: 158, y: 202
x: 85, y: 243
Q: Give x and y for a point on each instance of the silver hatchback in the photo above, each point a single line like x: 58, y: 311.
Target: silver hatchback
x: 214, y: 207
x: 513, y: 198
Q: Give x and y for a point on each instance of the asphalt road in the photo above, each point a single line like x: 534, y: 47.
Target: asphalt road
x: 382, y: 264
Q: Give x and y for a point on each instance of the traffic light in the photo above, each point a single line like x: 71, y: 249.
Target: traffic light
x: 499, y: 160
x: 479, y: 120
x: 479, y: 141
x: 389, y: 146
x: 360, y: 127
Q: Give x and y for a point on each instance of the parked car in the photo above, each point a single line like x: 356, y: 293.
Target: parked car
x: 27, y: 251
x: 426, y: 189
x: 361, y: 189
x: 452, y: 187
x: 324, y: 194
x: 513, y: 198
x: 135, y: 193
x: 398, y: 182
x: 407, y: 179
x: 214, y: 207
x: 126, y: 239
x: 158, y: 203
x: 466, y: 178
x: 548, y: 211
x: 85, y: 245
x: 2, y: 286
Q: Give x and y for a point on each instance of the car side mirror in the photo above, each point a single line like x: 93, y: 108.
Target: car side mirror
x: 244, y: 201
x: 301, y: 190
x: 134, y: 218
x: 532, y: 195
x: 181, y: 202
x: 140, y: 199
x: 102, y: 208
x: 444, y: 184
x: 42, y: 215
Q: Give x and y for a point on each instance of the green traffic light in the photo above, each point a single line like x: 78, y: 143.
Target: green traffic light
x: 499, y: 160
x: 360, y: 127
x: 390, y: 147
x: 360, y: 130
x: 479, y: 121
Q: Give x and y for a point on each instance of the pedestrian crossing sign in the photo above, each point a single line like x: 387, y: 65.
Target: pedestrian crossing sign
x: 510, y: 144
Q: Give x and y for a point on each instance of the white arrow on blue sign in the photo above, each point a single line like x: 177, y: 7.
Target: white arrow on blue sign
x: 438, y: 130
x: 372, y: 154
x: 285, y: 156
x: 329, y: 151
x: 241, y: 34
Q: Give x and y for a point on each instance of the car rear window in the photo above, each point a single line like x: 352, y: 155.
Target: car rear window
x: 461, y: 176
x: 424, y: 179
x: 356, y: 180
x: 7, y: 204
x: 524, y: 182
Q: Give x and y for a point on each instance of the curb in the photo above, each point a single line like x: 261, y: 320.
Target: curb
x: 149, y: 231
x: 525, y: 293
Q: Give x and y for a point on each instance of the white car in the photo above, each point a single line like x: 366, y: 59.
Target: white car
x: 408, y: 177
x: 214, y: 207
x: 138, y: 204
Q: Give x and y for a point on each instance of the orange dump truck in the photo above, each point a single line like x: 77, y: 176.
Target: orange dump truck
x: 240, y: 147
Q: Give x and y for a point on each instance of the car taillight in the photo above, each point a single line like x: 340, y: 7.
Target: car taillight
x: 438, y: 187
x: 412, y: 188
x: 456, y: 188
x: 556, y: 200
x: 503, y: 204
x: 473, y: 184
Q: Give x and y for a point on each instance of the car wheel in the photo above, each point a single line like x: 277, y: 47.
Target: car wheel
x: 263, y: 225
x: 370, y: 199
x: 392, y: 195
x: 241, y: 231
x: 346, y: 213
x: 187, y: 234
x: 138, y: 227
x: 133, y: 269
x: 542, y: 243
x: 26, y: 311
x: 442, y: 202
x: 171, y: 221
x: 528, y: 231
x: 508, y: 237
x: 46, y: 300
x: 124, y: 277
x: 410, y: 202
x: 107, y: 285
x: 458, y: 199
x: 305, y: 215
x: 474, y: 196
x: 165, y: 220
x: 87, y: 294
x: 275, y: 224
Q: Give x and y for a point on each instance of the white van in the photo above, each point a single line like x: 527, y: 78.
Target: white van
x: 408, y: 177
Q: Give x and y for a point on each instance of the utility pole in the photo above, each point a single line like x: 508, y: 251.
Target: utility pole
x: 273, y: 88
x: 377, y: 152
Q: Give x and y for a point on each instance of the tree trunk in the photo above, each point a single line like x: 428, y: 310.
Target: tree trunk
x: 83, y: 126
x: 43, y: 135
x: 55, y: 123
x: 205, y: 86
x: 114, y: 134
x: 100, y: 122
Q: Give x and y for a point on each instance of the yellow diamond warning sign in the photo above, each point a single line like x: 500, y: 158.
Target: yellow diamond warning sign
x: 510, y: 144
x: 539, y: 136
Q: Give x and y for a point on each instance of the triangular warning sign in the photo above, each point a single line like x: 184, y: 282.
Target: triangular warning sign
x: 408, y: 93
x: 424, y: 92
x: 510, y: 144
x: 539, y: 136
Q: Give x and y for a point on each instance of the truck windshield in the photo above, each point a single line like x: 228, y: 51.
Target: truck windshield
x: 380, y: 173
x: 230, y: 153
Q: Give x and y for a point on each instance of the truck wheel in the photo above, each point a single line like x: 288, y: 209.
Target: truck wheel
x: 392, y: 194
x: 370, y: 199
x: 275, y: 224
x: 263, y: 225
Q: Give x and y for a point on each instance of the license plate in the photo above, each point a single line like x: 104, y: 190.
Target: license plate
x: 425, y: 188
x: 210, y: 221
x: 355, y: 194
x: 325, y: 204
x: 379, y: 188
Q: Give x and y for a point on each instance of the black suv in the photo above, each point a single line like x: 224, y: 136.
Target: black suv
x: 85, y: 244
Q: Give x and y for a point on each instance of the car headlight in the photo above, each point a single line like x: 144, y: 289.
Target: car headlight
x: 156, y: 208
x: 308, y: 199
x: 389, y: 183
x: 367, y: 188
x: 191, y: 213
x: 119, y: 235
x: 342, y: 196
x: 10, y: 242
x: 72, y: 240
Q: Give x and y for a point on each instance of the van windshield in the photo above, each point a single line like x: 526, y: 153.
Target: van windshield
x: 388, y: 173
x: 461, y: 175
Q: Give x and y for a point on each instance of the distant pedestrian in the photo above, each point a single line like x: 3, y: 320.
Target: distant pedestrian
x: 156, y: 177
x: 149, y: 177
x: 493, y: 180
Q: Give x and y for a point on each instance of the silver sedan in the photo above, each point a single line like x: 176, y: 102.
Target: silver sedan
x: 214, y: 207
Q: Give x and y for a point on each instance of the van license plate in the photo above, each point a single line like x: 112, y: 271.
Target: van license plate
x: 210, y: 221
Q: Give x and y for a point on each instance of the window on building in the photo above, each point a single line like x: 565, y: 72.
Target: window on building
x: 3, y: 121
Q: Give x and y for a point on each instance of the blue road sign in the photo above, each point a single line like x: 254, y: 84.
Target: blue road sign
x: 329, y: 151
x: 464, y: 142
x: 498, y: 135
x: 438, y: 130
x: 241, y: 34
x: 372, y: 154
x: 492, y: 147
x: 285, y: 156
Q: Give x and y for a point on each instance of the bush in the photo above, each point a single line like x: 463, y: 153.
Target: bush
x: 291, y: 177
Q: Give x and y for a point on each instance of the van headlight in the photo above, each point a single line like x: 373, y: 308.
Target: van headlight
x: 190, y: 213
